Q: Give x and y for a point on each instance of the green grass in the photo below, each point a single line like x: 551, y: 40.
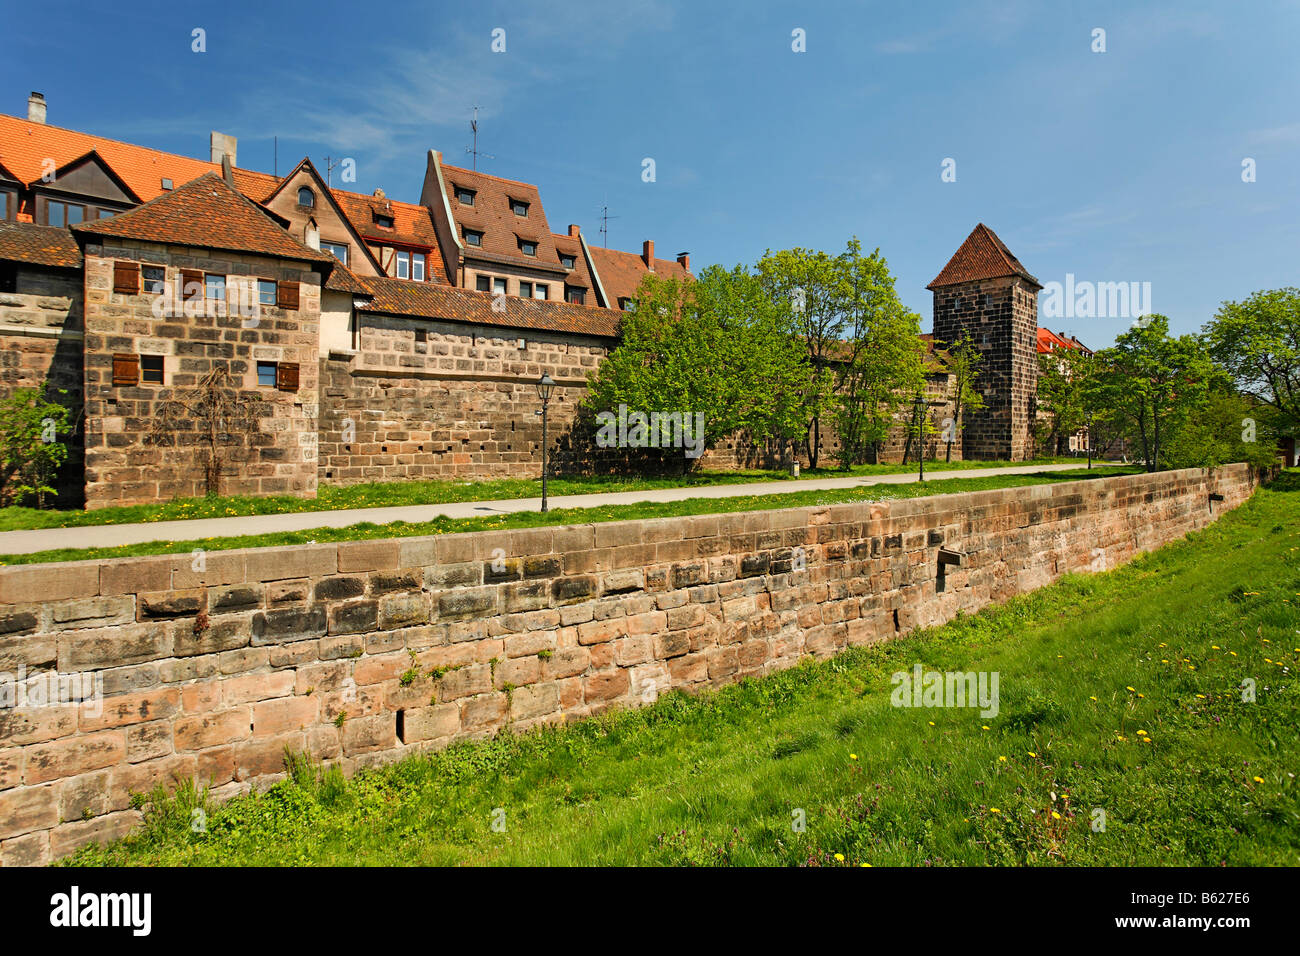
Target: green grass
x: 396, y: 493
x: 1161, y: 646
x: 560, y: 516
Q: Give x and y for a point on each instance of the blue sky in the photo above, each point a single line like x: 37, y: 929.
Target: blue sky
x: 1116, y: 166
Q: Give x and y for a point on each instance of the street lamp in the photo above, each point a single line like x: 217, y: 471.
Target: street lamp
x: 545, y: 385
x: 1089, y: 440
x: 918, y: 422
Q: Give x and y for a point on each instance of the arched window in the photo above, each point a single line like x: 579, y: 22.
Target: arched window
x: 306, y: 197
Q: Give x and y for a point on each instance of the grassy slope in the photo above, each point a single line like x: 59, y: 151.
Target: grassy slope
x: 561, y: 516
x: 716, y: 779
x: 396, y: 493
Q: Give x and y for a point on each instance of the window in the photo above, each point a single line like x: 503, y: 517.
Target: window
x: 266, y: 374
x: 151, y: 369
x: 105, y: 213
x: 385, y: 221
x: 63, y: 213
x: 566, y: 261
x: 6, y: 204
x: 465, y: 196
x: 266, y: 291
x: 153, y: 279
x: 626, y: 304
x: 499, y: 286
x: 575, y: 295
x: 126, y: 369
x: 525, y: 290
x: 403, y: 264
x: 286, y: 294
x: 166, y: 183
x: 541, y: 291
x: 528, y: 247
x: 483, y: 283
x: 339, y: 250
x: 519, y: 207
x: 473, y: 238
x: 214, y: 287
x: 306, y: 197
x: 417, y: 266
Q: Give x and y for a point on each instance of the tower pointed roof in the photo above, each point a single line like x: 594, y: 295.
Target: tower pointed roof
x: 982, y: 256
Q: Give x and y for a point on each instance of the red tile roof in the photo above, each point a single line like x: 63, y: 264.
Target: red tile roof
x: 1048, y: 340
x: 433, y: 301
x: 580, y: 276
x: 493, y: 216
x: 205, y: 213
x: 25, y: 146
x: 39, y: 245
x: 620, y: 273
x: 412, y: 224
x: 982, y: 256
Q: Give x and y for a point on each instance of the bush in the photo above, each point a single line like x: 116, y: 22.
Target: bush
x: 30, y: 447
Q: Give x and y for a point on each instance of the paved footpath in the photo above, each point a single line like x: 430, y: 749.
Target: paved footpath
x: 112, y: 535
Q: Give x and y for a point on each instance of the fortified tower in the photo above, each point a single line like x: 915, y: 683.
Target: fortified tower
x: 985, y: 293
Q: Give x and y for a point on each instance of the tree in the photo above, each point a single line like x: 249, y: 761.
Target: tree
x: 882, y: 358
x: 1257, y: 342
x: 963, y: 361
x: 1225, y: 427
x: 1150, y: 381
x: 30, y: 449
x: 719, y: 346
x: 814, y: 283
x: 1062, y: 379
x: 210, y: 414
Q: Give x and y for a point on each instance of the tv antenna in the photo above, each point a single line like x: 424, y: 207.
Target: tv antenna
x: 605, y: 217
x: 329, y: 168
x: 473, y: 150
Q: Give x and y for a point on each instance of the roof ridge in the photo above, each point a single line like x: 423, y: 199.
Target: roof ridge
x: 500, y: 179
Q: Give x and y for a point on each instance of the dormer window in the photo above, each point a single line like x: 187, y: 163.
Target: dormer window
x: 566, y: 261
x: 465, y: 196
x: 166, y: 183
x: 473, y: 238
x: 528, y: 247
x: 383, y: 221
x: 306, y: 197
x: 626, y: 304
x: 519, y: 207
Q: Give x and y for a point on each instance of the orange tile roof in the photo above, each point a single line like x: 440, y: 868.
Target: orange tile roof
x: 492, y: 215
x: 1048, y: 340
x: 982, y: 256
x: 39, y: 245
x: 433, y: 301
x: 580, y: 276
x: 620, y: 273
x: 343, y: 279
x: 412, y: 224
x: 24, y: 147
x: 209, y: 214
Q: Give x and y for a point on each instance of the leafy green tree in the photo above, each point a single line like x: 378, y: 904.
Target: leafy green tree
x: 1257, y: 341
x: 1151, y: 381
x: 720, y: 346
x: 1225, y: 427
x: 31, y: 451
x: 963, y: 360
x: 1062, y: 380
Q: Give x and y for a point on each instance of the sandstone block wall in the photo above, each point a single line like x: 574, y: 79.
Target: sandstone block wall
x: 364, y: 652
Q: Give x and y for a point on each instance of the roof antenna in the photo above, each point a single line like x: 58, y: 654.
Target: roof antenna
x: 277, y: 156
x: 605, y: 217
x: 329, y: 168
x: 473, y: 150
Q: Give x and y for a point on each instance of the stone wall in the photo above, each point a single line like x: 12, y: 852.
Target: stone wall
x: 364, y: 652
x: 40, y: 342
x: 130, y: 457
x: 1001, y: 318
x: 433, y: 400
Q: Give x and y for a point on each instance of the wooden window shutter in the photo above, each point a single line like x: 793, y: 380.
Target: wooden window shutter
x: 286, y: 295
x: 126, y: 369
x: 126, y: 277
x: 191, y: 284
x: 286, y: 376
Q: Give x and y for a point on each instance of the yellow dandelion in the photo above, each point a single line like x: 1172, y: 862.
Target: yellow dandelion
x: 994, y: 810
x: 866, y: 864
x: 1214, y: 647
x: 1003, y: 759
x: 1131, y: 689
x: 1092, y: 698
x: 853, y: 756
x: 1259, y: 779
x: 1142, y: 733
x: 1031, y: 753
x: 985, y: 727
x: 839, y: 857
x: 930, y: 722
x: 1055, y: 815
x: 1233, y: 653
x: 1201, y: 696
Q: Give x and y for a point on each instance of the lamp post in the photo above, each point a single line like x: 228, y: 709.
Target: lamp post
x: 545, y: 385
x: 1089, y: 441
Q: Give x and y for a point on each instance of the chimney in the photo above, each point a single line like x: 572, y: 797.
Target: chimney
x: 227, y: 170
x: 223, y: 145
x: 36, y: 107
x: 684, y: 260
x: 379, y: 194
x: 648, y: 254
x: 574, y: 231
